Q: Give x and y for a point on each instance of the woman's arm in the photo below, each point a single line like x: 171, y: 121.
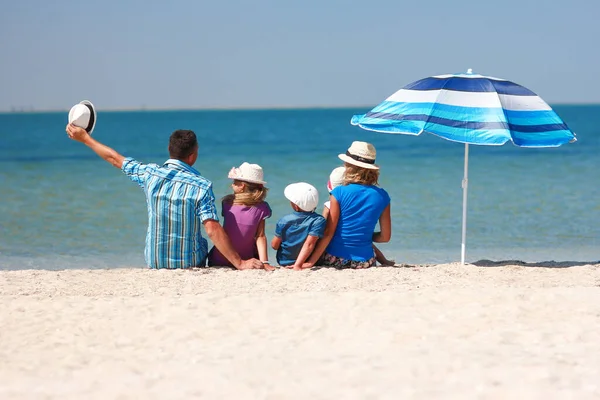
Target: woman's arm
x: 385, y: 224
x: 332, y: 221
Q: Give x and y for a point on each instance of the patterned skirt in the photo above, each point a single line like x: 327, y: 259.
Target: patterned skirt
x: 338, y: 262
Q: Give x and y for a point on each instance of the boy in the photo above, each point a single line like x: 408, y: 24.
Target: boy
x: 296, y: 234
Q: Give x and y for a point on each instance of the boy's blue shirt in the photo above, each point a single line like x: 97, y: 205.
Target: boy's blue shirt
x: 293, y: 229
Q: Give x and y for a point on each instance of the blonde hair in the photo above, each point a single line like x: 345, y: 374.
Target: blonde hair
x: 253, y: 194
x: 362, y: 176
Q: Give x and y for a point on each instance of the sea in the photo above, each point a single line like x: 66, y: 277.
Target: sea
x: 62, y: 207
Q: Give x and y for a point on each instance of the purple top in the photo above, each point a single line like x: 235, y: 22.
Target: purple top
x: 241, y: 223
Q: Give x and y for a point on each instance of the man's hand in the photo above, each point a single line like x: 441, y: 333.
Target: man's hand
x: 76, y: 133
x: 252, y: 263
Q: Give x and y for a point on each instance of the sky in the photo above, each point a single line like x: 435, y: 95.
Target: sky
x: 135, y: 54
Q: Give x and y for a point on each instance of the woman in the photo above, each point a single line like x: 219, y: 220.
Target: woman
x: 356, y: 207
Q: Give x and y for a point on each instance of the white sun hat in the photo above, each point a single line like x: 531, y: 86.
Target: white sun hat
x: 246, y: 172
x: 336, y: 178
x: 361, y: 154
x: 302, y: 194
x: 83, y: 115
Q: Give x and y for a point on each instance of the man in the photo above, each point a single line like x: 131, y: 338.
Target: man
x: 179, y: 201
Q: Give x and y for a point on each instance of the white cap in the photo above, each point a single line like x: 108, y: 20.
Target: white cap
x: 303, y: 195
x: 336, y: 178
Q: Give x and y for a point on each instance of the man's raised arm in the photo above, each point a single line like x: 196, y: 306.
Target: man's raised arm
x: 80, y: 135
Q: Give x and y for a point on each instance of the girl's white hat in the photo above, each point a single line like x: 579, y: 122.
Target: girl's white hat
x: 361, y: 154
x: 303, y: 195
x: 246, y: 172
x: 336, y: 178
x: 83, y: 115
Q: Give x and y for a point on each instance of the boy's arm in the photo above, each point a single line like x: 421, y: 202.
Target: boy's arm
x: 80, y: 135
x: 330, y: 227
x: 276, y: 242
x: 305, y: 252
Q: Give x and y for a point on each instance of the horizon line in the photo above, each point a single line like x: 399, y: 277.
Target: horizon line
x: 231, y: 108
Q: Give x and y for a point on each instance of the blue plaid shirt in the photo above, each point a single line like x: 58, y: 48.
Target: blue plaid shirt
x: 179, y: 199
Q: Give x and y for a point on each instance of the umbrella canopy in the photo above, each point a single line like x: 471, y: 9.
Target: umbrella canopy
x: 471, y: 109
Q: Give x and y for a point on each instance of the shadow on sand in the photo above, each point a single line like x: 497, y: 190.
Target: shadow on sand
x: 541, y: 264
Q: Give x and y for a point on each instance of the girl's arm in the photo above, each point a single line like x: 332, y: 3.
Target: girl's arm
x: 385, y: 224
x: 332, y: 221
x: 261, y: 244
x: 307, y: 249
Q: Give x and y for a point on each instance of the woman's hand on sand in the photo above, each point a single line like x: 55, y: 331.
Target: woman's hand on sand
x: 302, y: 267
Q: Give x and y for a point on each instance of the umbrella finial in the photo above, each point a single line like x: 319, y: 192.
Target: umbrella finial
x: 470, y: 71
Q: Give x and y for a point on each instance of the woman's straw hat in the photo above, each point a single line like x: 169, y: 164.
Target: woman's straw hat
x: 361, y: 154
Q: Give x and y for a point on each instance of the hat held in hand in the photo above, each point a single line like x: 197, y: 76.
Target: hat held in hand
x: 303, y: 195
x: 246, y: 172
x: 83, y: 115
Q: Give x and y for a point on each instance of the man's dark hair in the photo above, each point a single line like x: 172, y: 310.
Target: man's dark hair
x: 182, y: 143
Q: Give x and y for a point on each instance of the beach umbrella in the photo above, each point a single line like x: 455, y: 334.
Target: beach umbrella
x: 470, y: 109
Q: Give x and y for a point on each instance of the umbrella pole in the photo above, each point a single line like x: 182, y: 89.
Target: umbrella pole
x: 465, y: 185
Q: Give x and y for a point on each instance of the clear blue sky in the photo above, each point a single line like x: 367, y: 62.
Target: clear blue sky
x: 262, y: 53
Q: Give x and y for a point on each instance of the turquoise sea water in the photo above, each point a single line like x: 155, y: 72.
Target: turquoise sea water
x: 63, y: 207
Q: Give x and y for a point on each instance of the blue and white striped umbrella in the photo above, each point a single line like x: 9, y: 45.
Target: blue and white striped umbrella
x: 471, y: 109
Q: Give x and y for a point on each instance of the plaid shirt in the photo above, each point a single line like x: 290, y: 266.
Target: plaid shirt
x: 179, y: 199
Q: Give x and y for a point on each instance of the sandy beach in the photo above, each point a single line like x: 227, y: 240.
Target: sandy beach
x: 489, y: 330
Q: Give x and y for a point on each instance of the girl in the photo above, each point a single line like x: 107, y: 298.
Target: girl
x: 244, y: 214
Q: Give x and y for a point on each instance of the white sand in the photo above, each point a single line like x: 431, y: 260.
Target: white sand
x: 446, y: 331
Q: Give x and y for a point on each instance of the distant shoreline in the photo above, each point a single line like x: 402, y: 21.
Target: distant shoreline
x: 237, y: 108
x: 169, y: 109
